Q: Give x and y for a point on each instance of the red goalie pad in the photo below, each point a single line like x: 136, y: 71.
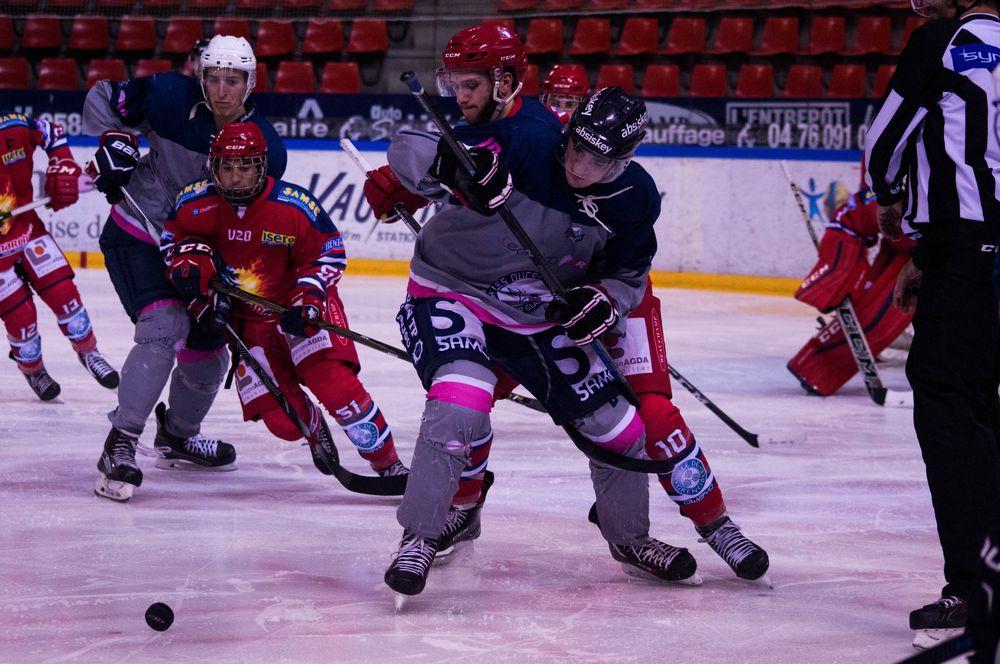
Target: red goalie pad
x: 839, y: 272
x: 825, y: 363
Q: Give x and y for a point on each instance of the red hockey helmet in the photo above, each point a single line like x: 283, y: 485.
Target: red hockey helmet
x: 486, y: 48
x: 238, y: 157
x: 565, y: 87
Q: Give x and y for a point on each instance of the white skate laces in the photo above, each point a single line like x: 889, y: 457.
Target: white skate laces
x: 656, y: 553
x: 730, y: 543
x: 415, y: 555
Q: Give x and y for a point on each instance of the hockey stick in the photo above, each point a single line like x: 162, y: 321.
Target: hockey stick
x: 943, y: 652
x: 321, y: 445
x: 365, y: 167
x: 37, y: 203
x: 513, y: 225
x: 853, y: 331
x: 356, y: 337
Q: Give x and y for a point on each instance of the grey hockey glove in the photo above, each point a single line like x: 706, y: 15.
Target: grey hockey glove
x: 485, y: 191
x: 116, y: 158
x: 585, y: 316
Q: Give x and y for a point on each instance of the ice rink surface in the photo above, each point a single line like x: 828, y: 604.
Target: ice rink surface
x: 278, y: 563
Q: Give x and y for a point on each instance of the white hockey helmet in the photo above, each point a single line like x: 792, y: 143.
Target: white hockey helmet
x: 231, y: 53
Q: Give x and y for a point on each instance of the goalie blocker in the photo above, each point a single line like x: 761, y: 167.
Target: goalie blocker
x: 825, y: 362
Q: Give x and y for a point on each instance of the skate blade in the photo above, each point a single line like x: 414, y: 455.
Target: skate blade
x: 693, y: 580
x: 763, y: 581
x: 182, y: 464
x: 460, y: 551
x: 928, y: 638
x: 399, y: 601
x: 113, y: 490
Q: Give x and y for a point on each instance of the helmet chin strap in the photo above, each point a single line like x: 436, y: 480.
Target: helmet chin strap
x: 500, y: 103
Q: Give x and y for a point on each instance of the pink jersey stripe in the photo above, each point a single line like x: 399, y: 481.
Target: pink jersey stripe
x: 130, y: 227
x: 193, y: 355
x: 477, y: 309
x: 462, y: 395
x: 628, y: 437
x: 158, y: 304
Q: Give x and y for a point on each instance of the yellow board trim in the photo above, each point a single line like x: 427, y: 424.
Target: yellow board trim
x: 734, y: 283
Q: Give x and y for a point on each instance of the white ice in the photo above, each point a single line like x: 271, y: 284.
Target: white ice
x: 276, y: 562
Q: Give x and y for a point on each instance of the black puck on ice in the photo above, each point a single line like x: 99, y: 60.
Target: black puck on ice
x: 159, y: 616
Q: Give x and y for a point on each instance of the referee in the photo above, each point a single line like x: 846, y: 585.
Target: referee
x: 934, y: 165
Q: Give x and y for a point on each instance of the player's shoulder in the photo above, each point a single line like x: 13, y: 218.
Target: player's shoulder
x: 932, y: 38
x: 12, y: 119
x: 533, y: 111
x: 191, y: 195
x: 293, y: 197
x: 639, y: 189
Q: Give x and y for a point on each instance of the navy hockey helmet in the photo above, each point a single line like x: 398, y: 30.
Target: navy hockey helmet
x: 603, y: 134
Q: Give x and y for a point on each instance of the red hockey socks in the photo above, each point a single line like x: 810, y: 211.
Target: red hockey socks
x: 65, y: 302
x: 22, y: 333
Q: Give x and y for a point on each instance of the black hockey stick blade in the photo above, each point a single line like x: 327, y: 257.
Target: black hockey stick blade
x: 942, y: 652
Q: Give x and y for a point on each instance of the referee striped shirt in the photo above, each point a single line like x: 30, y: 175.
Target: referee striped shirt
x: 932, y: 143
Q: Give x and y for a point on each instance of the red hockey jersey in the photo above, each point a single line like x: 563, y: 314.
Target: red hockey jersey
x: 282, y: 239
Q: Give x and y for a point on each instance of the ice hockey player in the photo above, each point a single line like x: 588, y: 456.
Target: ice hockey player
x: 30, y: 259
x: 565, y: 88
x: 642, y: 358
x: 273, y: 239
x: 825, y: 363
x: 178, y: 115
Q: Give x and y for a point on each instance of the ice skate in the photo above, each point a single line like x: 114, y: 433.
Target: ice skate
x: 938, y: 621
x: 653, y: 559
x: 42, y: 384
x: 462, y: 527
x: 98, y: 367
x: 407, y: 574
x: 395, y: 469
x: 119, y: 474
x: 194, y: 453
x: 746, y: 559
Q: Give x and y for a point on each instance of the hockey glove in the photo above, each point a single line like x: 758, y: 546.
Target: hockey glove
x: 192, y: 268
x: 840, y: 270
x: 306, y: 307
x: 384, y: 191
x: 211, y: 313
x: 585, y: 316
x: 485, y: 191
x: 111, y: 169
x: 62, y: 183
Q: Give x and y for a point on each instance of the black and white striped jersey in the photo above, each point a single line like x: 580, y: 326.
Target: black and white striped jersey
x: 932, y: 143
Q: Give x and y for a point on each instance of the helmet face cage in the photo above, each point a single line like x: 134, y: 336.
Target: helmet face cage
x: 487, y: 49
x: 581, y: 161
x: 239, y: 195
x: 562, y: 101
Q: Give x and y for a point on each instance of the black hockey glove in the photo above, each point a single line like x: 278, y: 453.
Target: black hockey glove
x: 192, y: 268
x: 211, y: 313
x: 306, y: 307
x: 111, y: 169
x: 485, y: 191
x: 586, y: 315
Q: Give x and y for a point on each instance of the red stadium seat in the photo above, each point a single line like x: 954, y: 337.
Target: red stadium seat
x: 516, y: 5
x: 709, y: 80
x: 162, y: 7
x: 560, y: 5
x: 781, y: 35
x: 874, y: 35
x: 311, y: 6
x: 57, y: 74
x: 393, y: 5
x: 593, y: 35
x: 735, y: 35
x: 274, y: 38
x: 828, y: 34
x: 662, y: 81
x: 531, y: 82
x: 604, y: 5
x: 101, y: 70
x: 76, y: 5
x: 545, y: 37
x: 804, y: 81
x: 116, y: 6
x: 13, y: 73
x: 882, y: 77
x: 847, y: 82
x: 341, y: 78
x: 236, y: 27
x: 347, y: 5
x: 6, y: 34
x: 149, y: 67
x: 295, y: 77
x: 41, y: 33
x: 501, y: 22
x: 207, y: 7
x: 912, y: 23
x: 262, y: 84
x: 182, y: 33
x: 243, y: 6
x: 755, y: 81
x: 89, y: 33
x: 136, y: 34
x: 639, y: 37
x: 323, y: 36
x: 368, y: 35
x: 686, y: 35
x: 620, y: 75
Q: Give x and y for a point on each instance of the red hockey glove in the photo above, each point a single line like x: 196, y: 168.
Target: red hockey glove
x: 839, y: 270
x: 485, y: 191
x: 62, y: 183
x: 384, y: 191
x: 586, y: 315
x: 111, y: 169
x: 305, y: 307
x: 192, y: 268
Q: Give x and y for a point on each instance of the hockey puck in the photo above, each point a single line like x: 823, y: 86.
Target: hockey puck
x: 159, y: 616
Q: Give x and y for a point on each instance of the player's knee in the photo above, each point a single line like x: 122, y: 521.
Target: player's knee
x: 614, y: 426
x: 335, y: 384
x: 667, y: 435
x: 202, y: 370
x: 279, y: 424
x: 451, y: 428
x: 162, y: 325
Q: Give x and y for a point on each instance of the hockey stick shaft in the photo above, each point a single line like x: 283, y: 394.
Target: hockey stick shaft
x: 363, y: 165
x: 751, y: 438
x: 27, y: 207
x: 552, y: 282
